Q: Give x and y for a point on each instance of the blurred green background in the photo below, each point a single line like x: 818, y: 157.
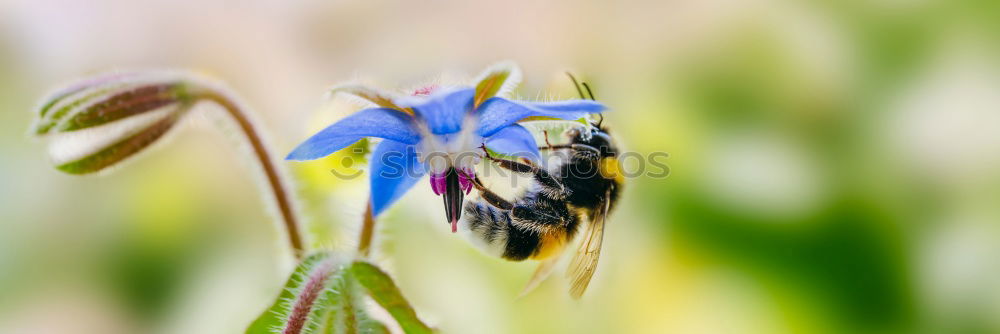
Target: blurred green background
x: 835, y: 165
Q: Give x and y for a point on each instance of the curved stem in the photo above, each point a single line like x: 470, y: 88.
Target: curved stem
x: 274, y: 178
x: 367, y: 232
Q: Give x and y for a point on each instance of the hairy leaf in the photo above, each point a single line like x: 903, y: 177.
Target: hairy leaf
x: 377, y: 97
x: 275, y: 318
x: 346, y: 313
x: 496, y: 80
x: 382, y: 289
x: 320, y: 297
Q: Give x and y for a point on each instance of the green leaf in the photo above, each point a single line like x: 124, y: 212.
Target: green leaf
x: 382, y: 289
x: 319, y: 297
x: 496, y: 80
x: 346, y: 313
x: 380, y: 98
x: 275, y: 318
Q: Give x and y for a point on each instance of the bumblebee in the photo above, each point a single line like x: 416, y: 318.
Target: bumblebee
x: 541, y: 222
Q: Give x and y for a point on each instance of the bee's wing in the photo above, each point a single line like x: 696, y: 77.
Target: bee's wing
x: 541, y: 273
x: 584, y: 263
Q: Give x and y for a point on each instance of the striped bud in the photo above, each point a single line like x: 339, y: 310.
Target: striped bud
x: 98, y: 122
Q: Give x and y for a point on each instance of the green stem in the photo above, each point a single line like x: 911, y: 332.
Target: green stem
x: 367, y: 232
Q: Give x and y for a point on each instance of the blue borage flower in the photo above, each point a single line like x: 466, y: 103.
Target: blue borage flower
x: 439, y: 130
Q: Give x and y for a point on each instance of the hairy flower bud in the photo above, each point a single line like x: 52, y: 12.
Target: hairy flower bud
x: 99, y: 122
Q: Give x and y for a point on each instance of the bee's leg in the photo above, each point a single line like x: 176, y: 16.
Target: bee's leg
x: 546, y: 135
x: 546, y: 180
x: 491, y: 197
x: 514, y: 166
x: 527, y: 214
x: 578, y: 151
x: 578, y: 147
x: 553, y: 147
x: 541, y: 218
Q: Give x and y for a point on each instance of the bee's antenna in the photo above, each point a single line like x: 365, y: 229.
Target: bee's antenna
x: 577, y: 85
x: 591, y: 93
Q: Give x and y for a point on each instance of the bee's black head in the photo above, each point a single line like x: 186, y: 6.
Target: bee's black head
x: 595, y: 137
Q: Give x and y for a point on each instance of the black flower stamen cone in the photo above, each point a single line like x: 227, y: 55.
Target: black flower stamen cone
x: 453, y: 197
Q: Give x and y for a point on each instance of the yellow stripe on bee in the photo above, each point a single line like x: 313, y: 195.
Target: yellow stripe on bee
x: 611, y: 169
x: 548, y: 245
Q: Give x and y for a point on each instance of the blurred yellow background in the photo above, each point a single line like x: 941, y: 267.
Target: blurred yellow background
x: 835, y: 165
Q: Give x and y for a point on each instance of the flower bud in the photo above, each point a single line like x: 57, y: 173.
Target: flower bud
x: 101, y: 121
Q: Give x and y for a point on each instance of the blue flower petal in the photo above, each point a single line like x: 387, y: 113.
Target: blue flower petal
x: 499, y: 112
x: 376, y: 122
x: 394, y: 170
x: 515, y: 141
x: 444, y: 110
